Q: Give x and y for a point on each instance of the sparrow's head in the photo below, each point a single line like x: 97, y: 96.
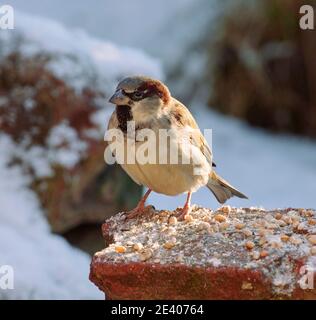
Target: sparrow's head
x: 143, y: 95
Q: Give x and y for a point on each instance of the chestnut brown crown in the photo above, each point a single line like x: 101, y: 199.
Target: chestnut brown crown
x: 138, y: 88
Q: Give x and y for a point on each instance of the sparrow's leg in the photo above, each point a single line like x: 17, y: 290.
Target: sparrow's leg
x: 186, y: 208
x: 140, y: 207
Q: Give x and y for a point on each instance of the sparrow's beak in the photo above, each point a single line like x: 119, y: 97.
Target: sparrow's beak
x: 118, y: 98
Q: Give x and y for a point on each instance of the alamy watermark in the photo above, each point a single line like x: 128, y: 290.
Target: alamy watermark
x: 6, y: 277
x: 6, y: 17
x: 162, y: 146
x: 307, y: 17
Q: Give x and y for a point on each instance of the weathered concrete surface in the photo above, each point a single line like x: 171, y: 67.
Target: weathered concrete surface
x: 226, y: 254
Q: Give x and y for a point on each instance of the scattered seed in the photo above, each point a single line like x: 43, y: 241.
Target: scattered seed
x: 285, y: 238
x: 239, y: 225
x: 287, y: 219
x: 246, y: 286
x: 249, y: 245
x: 295, y: 240
x: 312, y: 239
x: 247, y: 232
x: 313, y: 250
x: 226, y: 209
x: 220, y: 218
x: 138, y: 246
x: 256, y: 255
x: 188, y: 218
x: 157, y: 242
x: 120, y: 249
x: 145, y: 254
x: 173, y: 220
x: 264, y: 253
x: 301, y: 212
x: 170, y: 243
x: 278, y: 216
x: 206, y: 219
x: 311, y: 222
x: 281, y: 223
x: 309, y: 213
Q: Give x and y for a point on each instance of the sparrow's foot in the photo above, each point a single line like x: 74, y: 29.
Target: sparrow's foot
x: 186, y: 208
x: 134, y: 213
x: 183, y: 212
x: 139, y: 211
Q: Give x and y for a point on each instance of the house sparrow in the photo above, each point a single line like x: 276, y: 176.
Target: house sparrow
x: 150, y: 105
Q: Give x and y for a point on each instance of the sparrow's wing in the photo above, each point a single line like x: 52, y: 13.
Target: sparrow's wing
x: 183, y: 118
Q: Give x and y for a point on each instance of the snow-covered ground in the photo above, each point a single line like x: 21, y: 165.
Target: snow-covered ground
x: 45, y: 266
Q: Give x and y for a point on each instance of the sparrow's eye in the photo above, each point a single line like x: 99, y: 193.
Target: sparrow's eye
x: 137, y: 95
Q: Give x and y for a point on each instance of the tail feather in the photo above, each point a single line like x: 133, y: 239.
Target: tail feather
x: 221, y: 189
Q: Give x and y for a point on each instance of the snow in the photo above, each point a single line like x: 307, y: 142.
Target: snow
x: 45, y: 265
x: 171, y: 31
x: 82, y: 59
x: 34, y: 158
x: 65, y: 147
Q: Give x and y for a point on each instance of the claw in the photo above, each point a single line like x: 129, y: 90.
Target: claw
x: 183, y: 212
x: 186, y: 208
x: 134, y: 213
x: 140, y: 209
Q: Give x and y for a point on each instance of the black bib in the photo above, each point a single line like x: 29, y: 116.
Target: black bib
x: 123, y: 114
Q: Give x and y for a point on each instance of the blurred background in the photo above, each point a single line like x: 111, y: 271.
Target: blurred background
x: 243, y: 67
